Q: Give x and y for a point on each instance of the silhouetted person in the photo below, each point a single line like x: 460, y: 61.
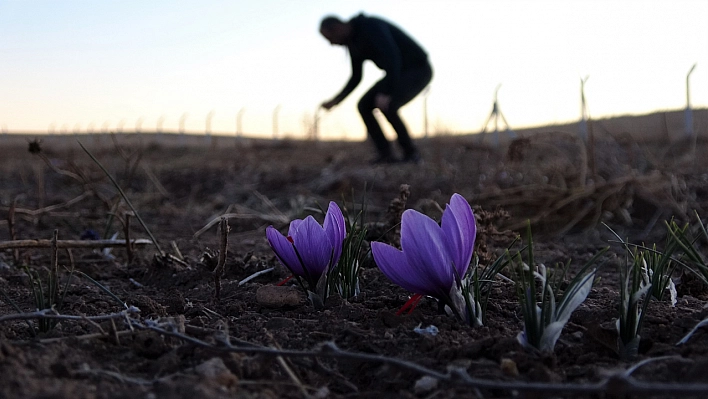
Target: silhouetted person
x: 407, y: 73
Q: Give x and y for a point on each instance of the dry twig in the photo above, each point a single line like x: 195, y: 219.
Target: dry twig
x: 72, y: 243
x: 223, y: 247
x: 280, y: 219
x: 35, y: 213
x: 619, y: 384
x: 53, y: 315
x: 13, y: 232
x: 160, y: 188
x: 125, y: 198
x: 254, y: 275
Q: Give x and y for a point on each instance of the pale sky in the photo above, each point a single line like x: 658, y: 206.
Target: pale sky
x: 78, y: 65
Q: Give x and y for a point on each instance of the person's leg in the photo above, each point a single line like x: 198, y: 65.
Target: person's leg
x: 404, y: 139
x: 366, y: 109
x: 412, y: 83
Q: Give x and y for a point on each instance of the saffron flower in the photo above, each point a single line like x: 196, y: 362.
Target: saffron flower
x: 310, y: 249
x: 433, y: 258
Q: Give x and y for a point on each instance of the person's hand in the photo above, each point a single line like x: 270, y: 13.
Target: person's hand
x: 329, y: 104
x: 382, y: 101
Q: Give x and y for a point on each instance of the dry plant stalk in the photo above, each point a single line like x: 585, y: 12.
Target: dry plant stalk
x: 88, y: 186
x: 394, y: 213
x: 177, y: 251
x: 36, y: 213
x: 126, y: 233
x: 52, y: 314
x: 251, y: 215
x: 35, y: 148
x: 223, y: 245
x: 591, y: 151
x: 125, y: 198
x: 54, y: 271
x: 41, y: 195
x: 13, y: 232
x: 567, y: 207
x: 71, y: 243
x: 288, y: 369
x: 543, y: 151
x: 617, y: 384
x: 160, y: 188
x: 244, y: 212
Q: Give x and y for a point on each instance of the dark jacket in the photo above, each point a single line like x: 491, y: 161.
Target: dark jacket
x: 387, y: 46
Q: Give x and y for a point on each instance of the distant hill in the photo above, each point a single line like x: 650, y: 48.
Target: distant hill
x: 653, y: 126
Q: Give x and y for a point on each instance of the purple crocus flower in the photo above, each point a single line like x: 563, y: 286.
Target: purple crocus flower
x: 310, y: 248
x: 433, y: 258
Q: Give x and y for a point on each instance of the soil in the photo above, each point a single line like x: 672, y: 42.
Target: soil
x: 181, y: 186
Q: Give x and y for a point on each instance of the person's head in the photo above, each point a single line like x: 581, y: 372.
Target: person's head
x: 335, y: 30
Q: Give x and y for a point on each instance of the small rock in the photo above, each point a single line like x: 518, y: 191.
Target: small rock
x: 214, y: 369
x: 321, y: 393
x: 273, y: 296
x: 508, y: 367
x: 177, y: 322
x: 4, y: 267
x: 430, y: 330
x: 425, y: 384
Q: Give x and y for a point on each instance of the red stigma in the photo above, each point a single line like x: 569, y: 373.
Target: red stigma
x: 285, y: 281
x: 412, y: 303
x: 290, y: 238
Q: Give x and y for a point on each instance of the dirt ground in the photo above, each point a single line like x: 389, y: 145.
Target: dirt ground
x: 185, y: 344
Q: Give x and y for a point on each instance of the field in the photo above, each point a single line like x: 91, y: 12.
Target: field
x: 261, y: 340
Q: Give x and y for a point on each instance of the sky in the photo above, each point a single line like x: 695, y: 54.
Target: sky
x: 121, y: 65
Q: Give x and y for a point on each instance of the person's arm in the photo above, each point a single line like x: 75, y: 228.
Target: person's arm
x: 354, y: 80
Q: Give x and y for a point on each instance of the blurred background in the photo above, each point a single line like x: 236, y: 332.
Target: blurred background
x: 262, y: 69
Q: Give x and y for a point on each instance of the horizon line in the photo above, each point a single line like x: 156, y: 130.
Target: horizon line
x: 289, y: 135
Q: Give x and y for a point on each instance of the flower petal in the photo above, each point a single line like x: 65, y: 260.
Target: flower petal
x: 393, y: 264
x: 284, y: 250
x: 460, y: 230
x: 292, y: 231
x: 336, y: 229
x: 422, y: 242
x: 313, y: 245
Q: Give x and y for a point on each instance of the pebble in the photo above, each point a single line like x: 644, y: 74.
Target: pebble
x: 214, y: 369
x: 430, y: 330
x: 273, y: 296
x: 425, y: 384
x: 4, y: 267
x: 508, y: 367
